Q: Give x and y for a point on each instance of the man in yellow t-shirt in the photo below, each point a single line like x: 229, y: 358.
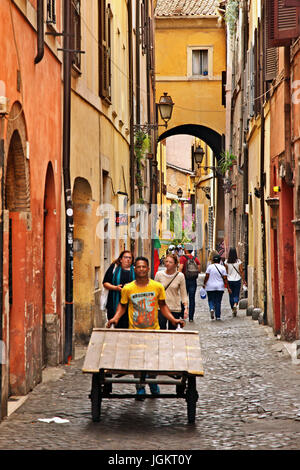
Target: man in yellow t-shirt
x: 144, y: 297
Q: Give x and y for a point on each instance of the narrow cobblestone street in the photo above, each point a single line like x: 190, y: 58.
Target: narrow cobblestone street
x: 249, y: 398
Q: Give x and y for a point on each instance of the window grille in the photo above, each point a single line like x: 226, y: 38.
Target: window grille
x: 51, y: 11
x: 76, y: 32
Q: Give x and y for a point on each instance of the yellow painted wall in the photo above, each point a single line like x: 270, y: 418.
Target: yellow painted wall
x: 99, y: 142
x: 255, y: 271
x: 196, y: 101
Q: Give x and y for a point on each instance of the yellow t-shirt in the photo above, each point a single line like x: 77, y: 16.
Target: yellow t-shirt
x: 143, y: 304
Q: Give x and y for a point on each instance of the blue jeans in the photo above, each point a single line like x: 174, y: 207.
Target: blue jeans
x: 191, y: 287
x: 214, y: 298
x: 235, y: 287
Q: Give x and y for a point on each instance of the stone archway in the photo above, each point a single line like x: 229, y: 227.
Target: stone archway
x: 212, y: 138
x: 17, y: 206
x: 50, y: 336
x: 83, y: 260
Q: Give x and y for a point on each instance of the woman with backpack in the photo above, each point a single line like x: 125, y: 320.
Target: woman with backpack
x: 190, y: 267
x: 235, y: 276
x: 214, y: 283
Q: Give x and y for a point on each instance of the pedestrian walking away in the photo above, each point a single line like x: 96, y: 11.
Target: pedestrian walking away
x: 144, y: 297
x: 214, y: 282
x: 235, y: 276
x: 211, y: 255
x: 120, y: 272
x: 175, y: 288
x: 190, y: 267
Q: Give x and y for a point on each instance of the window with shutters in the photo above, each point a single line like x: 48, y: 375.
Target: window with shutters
x: 150, y: 44
x: 75, y: 40
x: 270, y: 55
x: 105, y: 18
x: 143, y: 28
x: 252, y: 82
x: 283, y: 23
x: 291, y: 3
x: 258, y: 83
x: 51, y: 12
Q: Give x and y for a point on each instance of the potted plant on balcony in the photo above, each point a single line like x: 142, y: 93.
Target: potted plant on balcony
x: 226, y: 162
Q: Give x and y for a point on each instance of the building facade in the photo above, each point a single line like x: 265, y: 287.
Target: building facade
x: 30, y: 87
x: 191, y: 73
x: 112, y: 98
x: 262, y: 111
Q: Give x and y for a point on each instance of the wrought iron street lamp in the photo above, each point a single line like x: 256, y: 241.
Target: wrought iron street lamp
x: 198, y: 155
x: 179, y: 193
x: 165, y: 108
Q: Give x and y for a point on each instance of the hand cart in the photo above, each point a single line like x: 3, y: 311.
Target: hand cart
x: 143, y: 357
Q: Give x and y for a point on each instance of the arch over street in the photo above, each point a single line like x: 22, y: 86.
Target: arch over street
x: 208, y: 135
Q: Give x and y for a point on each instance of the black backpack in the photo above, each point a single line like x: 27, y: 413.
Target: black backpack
x: 191, y: 268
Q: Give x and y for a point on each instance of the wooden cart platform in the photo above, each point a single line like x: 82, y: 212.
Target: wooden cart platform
x: 143, y: 357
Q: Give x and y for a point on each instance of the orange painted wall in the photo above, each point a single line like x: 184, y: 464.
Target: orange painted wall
x: 41, y: 100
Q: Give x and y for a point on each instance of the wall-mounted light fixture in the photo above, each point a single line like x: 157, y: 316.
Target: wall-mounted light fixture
x: 165, y: 108
x: 179, y: 193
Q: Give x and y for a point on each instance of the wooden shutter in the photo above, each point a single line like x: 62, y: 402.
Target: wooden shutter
x: 143, y: 27
x: 283, y: 23
x: 291, y: 3
x: 224, y: 80
x: 150, y: 45
x: 270, y: 56
x: 104, y: 50
x: 75, y: 40
x: 252, y: 83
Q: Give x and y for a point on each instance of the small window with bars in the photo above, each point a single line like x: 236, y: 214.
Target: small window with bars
x: 76, y: 32
x: 51, y: 11
x: 105, y: 31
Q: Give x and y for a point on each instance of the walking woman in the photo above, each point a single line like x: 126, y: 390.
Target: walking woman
x: 120, y: 272
x: 235, y: 276
x: 214, y: 282
x: 174, y: 284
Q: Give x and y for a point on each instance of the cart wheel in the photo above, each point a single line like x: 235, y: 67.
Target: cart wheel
x: 96, y: 398
x: 191, y: 399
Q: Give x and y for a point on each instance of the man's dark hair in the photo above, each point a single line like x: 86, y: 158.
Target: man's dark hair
x: 141, y: 258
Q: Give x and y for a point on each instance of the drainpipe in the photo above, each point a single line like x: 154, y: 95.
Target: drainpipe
x: 262, y: 208
x: 131, y: 113
x: 67, y: 184
x: 138, y: 97
x: 2, y: 351
x: 137, y: 62
x: 153, y: 163
x: 40, y: 31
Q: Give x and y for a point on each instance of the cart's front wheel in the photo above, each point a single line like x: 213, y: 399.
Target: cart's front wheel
x: 96, y: 398
x: 191, y: 399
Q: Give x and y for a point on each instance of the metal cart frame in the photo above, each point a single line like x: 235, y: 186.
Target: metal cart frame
x: 143, y: 357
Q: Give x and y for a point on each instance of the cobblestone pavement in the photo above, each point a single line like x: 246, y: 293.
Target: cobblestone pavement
x: 249, y: 399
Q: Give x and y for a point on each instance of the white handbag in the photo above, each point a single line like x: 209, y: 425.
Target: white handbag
x: 103, y: 298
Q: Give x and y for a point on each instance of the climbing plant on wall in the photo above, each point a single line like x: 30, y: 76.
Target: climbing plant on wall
x: 142, y: 145
x: 231, y: 15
